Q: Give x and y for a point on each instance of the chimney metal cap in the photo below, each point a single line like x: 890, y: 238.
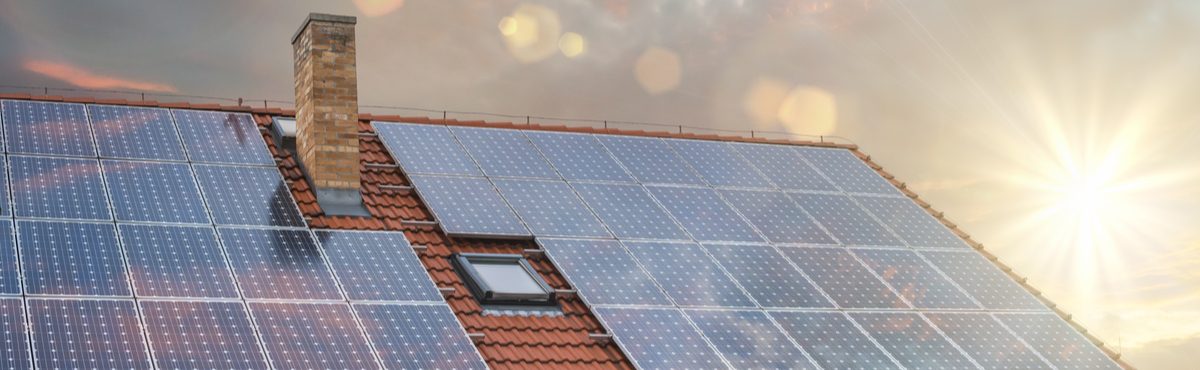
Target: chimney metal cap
x: 322, y: 17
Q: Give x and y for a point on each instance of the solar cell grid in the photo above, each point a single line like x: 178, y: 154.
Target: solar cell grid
x: 650, y: 160
x: 418, y: 337
x: 833, y: 341
x: 377, y: 266
x: 58, y: 188
x: 47, y: 128
x: 1058, y: 343
x: 5, y: 207
x: 312, y: 336
x: 629, y: 211
x: 578, y: 156
x: 504, y: 153
x: 71, y: 259
x: 468, y: 206
x: 603, y: 272
x: 551, y: 208
x: 15, y: 353
x: 194, y: 335
x: 719, y: 164
x: 10, y: 278
x: 986, y: 340
x: 135, y: 133
x: 847, y: 171
x: 279, y: 264
x: 911, y: 223
x: 255, y: 196
x: 87, y: 334
x: 918, y: 282
x: 911, y: 341
x: 154, y: 192
x: 222, y: 137
x: 776, y: 217
x: 749, y: 340
x: 767, y: 276
x: 176, y: 261
x: 981, y: 279
x: 688, y: 275
x: 783, y: 166
x: 426, y: 149
x: 660, y: 339
x: 841, y: 276
x: 845, y: 220
x: 704, y: 215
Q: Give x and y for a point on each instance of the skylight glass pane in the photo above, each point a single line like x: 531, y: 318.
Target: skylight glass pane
x: 507, y: 278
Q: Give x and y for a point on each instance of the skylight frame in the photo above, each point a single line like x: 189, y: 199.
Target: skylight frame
x: 488, y: 294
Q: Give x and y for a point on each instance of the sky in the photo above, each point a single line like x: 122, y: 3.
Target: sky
x: 1063, y: 135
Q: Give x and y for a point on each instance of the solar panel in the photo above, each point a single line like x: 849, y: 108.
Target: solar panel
x: 71, y: 259
x: 659, y: 339
x: 377, y: 266
x: 776, y: 216
x: 47, y: 128
x: 135, y: 133
x: 482, y: 212
x: 911, y: 341
x: 5, y: 207
x: 87, y: 334
x: 418, y: 337
x: 58, y: 188
x: 154, y: 192
x: 312, y: 336
x: 194, y: 335
x: 841, y: 276
x: 650, y: 160
x: 629, y: 211
x: 847, y: 171
x: 749, y: 340
x: 222, y: 137
x: 578, y: 156
x: 426, y: 149
x: 10, y: 278
x: 551, y: 208
x: 918, y: 282
x: 603, y: 272
x: 176, y: 261
x: 911, y: 223
x: 832, y: 340
x: 704, y: 215
x: 280, y: 264
x: 15, y: 353
x: 768, y: 276
x: 248, y: 196
x: 986, y: 340
x: 688, y: 275
x: 719, y: 164
x: 1057, y: 341
x: 504, y: 153
x: 981, y: 279
x: 845, y: 220
x: 783, y: 166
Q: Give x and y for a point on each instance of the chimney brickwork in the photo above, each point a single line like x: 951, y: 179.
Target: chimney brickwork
x: 327, y: 102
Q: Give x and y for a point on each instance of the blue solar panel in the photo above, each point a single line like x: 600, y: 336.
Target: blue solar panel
x: 176, y: 261
x: 768, y: 276
x: 833, y: 340
x: 5, y: 208
x: 841, y: 276
x: 983, y: 281
x: 15, y: 353
x: 911, y: 223
x: 71, y: 259
x: 704, y: 214
x: 468, y: 206
x: 312, y: 336
x: 377, y: 266
x: 688, y: 275
x: 248, y: 196
x: 222, y: 137
x: 915, y: 279
x: 660, y: 339
x: 784, y: 167
x: 719, y: 164
x: 154, y: 192
x: 629, y: 211
x: 603, y: 272
x: 1057, y: 341
x: 281, y: 264
x: 847, y: 171
x: 10, y: 278
x: 135, y: 133
x: 551, y: 208
x: 504, y: 153
x: 986, y: 340
x: 426, y: 149
x: 58, y: 188
x: 912, y: 341
x: 845, y: 220
x: 776, y: 216
x: 578, y: 156
x: 650, y: 160
x: 749, y: 340
x: 195, y: 335
x: 418, y: 337
x: 87, y: 334
x: 47, y: 128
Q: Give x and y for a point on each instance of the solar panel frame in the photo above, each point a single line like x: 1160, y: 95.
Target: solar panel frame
x: 919, y: 283
x: 768, y: 277
x: 650, y: 160
x: 629, y: 211
x: 257, y: 257
x: 504, y: 153
x: 153, y: 135
x: 762, y: 345
x: 62, y: 129
x: 10, y: 266
x: 426, y: 149
x: 48, y: 269
x: 156, y: 255
x: 982, y: 280
x: 126, y: 338
x: 377, y: 266
x: 986, y: 340
x: 910, y: 222
x: 504, y: 223
x: 626, y: 323
x: 688, y: 274
x: 704, y: 215
x: 579, y: 157
x: 600, y: 268
x: 238, y: 196
x: 14, y: 333
x: 448, y: 336
x: 911, y: 341
x: 776, y: 217
x: 833, y: 340
x: 191, y: 334
x: 142, y: 191
x: 232, y: 139
x: 840, y: 216
x: 1057, y: 342
x: 784, y: 167
x: 847, y: 171
x: 550, y: 208
x: 718, y: 164
x: 843, y: 277
x: 336, y: 318
x: 36, y: 180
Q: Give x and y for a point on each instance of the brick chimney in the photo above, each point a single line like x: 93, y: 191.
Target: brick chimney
x: 327, y: 111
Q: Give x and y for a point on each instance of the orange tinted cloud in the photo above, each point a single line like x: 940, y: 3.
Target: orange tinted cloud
x: 87, y: 79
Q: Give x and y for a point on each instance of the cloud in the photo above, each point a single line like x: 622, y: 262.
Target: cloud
x: 87, y: 79
x: 1165, y: 354
x: 942, y: 184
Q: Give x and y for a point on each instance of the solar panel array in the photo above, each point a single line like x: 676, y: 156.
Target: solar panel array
x: 143, y: 238
x: 713, y: 254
